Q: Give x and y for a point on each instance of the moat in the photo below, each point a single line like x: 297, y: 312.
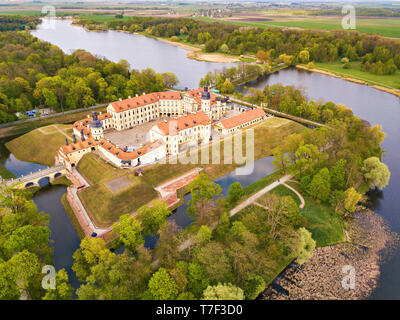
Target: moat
x: 370, y: 104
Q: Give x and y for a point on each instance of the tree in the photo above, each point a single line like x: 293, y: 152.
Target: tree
x: 162, y: 286
x: 63, y: 290
x: 311, y: 65
x: 130, y: 231
x: 211, y: 45
x: 306, y: 245
x: 376, y: 173
x: 235, y: 193
x: 203, y: 194
x: 280, y: 161
x: 224, y: 48
x: 217, y: 270
x: 227, y: 87
x: 304, y: 56
x: 223, y: 292
x: 198, y: 280
x: 167, y: 249
x: 203, y: 235
x: 320, y: 185
x: 153, y: 216
x: 338, y: 175
x: 169, y: 79
x: 351, y: 198
x: 263, y: 56
x: 254, y: 285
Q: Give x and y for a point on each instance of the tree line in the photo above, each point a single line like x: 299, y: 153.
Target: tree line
x: 14, y: 23
x: 35, y: 74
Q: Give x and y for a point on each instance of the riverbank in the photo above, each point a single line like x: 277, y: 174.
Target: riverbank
x: 395, y: 92
x: 369, y: 243
x: 196, y: 53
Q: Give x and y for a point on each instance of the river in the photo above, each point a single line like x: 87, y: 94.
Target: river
x: 373, y: 105
x: 141, y: 52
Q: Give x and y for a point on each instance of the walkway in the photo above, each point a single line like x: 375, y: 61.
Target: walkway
x: 250, y: 200
x: 302, y: 202
x: 57, y: 129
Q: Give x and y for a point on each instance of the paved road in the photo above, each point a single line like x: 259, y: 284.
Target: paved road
x: 258, y: 194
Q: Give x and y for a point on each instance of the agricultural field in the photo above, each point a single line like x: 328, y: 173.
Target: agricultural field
x: 387, y: 27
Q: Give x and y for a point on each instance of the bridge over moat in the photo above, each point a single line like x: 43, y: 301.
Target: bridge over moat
x: 32, y: 179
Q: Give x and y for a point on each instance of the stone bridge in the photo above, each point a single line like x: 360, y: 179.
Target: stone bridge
x: 32, y: 179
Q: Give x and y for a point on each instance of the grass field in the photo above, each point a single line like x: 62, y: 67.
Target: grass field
x: 95, y: 170
x: 387, y: 27
x: 325, y: 225
x: 390, y: 81
x: 39, y: 145
x: 105, y: 206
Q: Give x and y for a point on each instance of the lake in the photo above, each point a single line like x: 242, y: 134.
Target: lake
x: 140, y: 51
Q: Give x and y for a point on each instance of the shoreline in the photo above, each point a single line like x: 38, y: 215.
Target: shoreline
x: 322, y: 277
x: 395, y: 92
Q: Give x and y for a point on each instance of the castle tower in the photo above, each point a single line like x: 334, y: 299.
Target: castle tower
x: 96, y: 127
x: 206, y: 101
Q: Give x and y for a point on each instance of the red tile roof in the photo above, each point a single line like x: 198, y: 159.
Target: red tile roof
x: 244, y: 117
x: 172, y: 127
x: 120, y: 154
x: 79, y: 145
x: 139, y: 101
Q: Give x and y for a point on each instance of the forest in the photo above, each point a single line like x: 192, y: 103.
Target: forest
x: 380, y: 55
x: 34, y: 73
x: 14, y: 23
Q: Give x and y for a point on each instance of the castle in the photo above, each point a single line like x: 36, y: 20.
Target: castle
x: 192, y: 116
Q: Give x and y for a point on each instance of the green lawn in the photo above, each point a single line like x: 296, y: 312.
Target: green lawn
x: 325, y: 225
x: 40, y: 145
x: 105, y: 207
x: 389, y: 81
x: 96, y: 170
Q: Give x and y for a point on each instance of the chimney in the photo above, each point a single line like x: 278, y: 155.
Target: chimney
x: 120, y: 99
x: 137, y: 95
x: 144, y: 93
x: 100, y: 112
x: 88, y: 116
x: 165, y: 120
x: 129, y: 97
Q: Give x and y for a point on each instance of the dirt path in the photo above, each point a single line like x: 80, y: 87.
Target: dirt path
x: 302, y: 202
x: 258, y: 194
